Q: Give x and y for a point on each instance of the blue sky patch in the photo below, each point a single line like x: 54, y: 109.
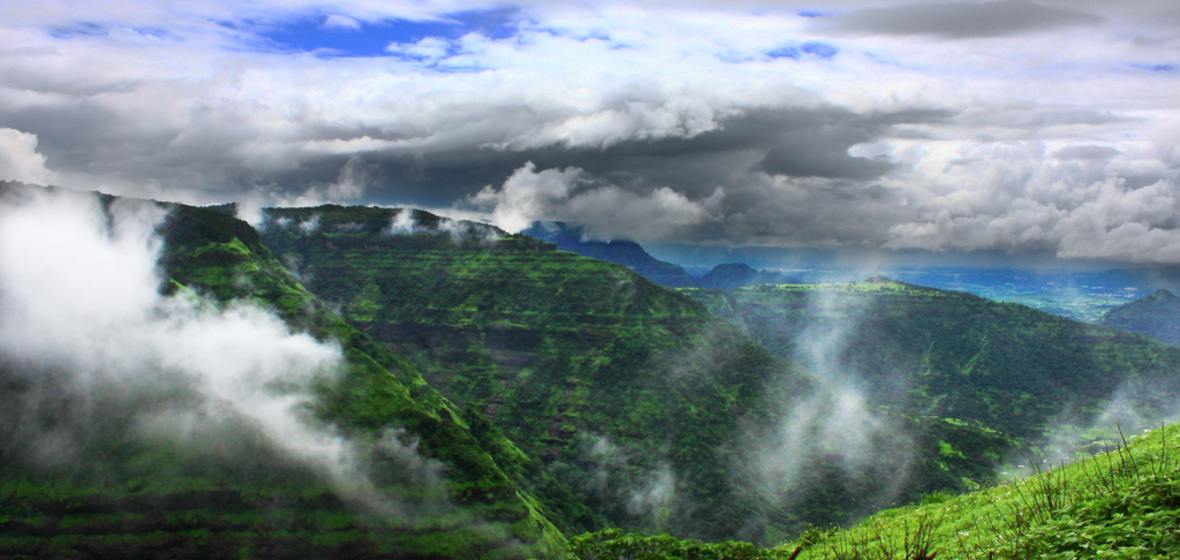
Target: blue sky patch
x: 155, y: 33
x: 1156, y: 67
x: 371, y: 38
x: 80, y: 29
x: 819, y: 50
x: 810, y: 49
x: 812, y: 13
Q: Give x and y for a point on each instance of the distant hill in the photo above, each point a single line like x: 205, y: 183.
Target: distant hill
x: 569, y: 237
x: 735, y: 275
x: 1157, y: 316
x: 953, y: 356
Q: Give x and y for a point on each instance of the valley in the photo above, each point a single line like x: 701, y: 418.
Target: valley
x: 484, y: 394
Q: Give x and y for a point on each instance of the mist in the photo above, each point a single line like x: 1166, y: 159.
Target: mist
x: 94, y: 358
x: 829, y: 436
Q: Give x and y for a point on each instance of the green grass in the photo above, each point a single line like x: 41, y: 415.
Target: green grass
x: 1123, y: 503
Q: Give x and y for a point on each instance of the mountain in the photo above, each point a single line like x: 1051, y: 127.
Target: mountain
x: 569, y: 237
x: 1157, y: 316
x: 375, y: 382
x: 736, y: 275
x: 194, y: 400
x: 927, y: 353
x: 630, y: 400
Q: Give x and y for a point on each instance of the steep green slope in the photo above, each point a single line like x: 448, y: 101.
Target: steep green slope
x: 1124, y: 503
x: 1120, y: 504
x: 629, y: 400
x: 1005, y: 376
x: 1157, y: 316
x: 435, y: 492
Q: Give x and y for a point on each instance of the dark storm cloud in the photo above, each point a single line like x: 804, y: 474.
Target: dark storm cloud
x: 957, y: 20
x: 84, y: 136
x: 800, y: 143
x: 710, y: 118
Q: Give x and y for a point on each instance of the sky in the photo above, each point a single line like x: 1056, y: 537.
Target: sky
x: 1029, y: 129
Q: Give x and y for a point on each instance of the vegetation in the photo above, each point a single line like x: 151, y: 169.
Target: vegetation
x: 126, y: 496
x: 1157, y: 316
x: 556, y: 393
x: 956, y: 356
x: 1122, y: 503
x: 636, y: 408
x: 978, y: 385
x: 626, y: 399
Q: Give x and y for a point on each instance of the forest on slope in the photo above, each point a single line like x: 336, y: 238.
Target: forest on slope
x: 374, y: 382
x: 629, y: 400
x: 905, y: 391
x: 213, y: 407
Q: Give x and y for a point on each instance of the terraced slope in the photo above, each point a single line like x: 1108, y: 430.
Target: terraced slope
x: 369, y: 462
x: 935, y: 354
x: 629, y: 400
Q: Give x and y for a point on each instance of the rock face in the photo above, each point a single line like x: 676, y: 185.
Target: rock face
x: 1157, y: 316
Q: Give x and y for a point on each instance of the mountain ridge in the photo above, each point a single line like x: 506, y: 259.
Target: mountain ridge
x: 1156, y: 315
x: 573, y: 238
x: 379, y: 404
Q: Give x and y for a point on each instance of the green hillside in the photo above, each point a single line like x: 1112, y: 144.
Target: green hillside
x: 629, y: 401
x: 1014, y: 376
x: 1157, y: 316
x: 436, y: 490
x: 495, y: 393
x: 1123, y: 503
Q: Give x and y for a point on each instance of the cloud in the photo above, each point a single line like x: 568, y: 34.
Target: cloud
x: 831, y: 426
x: 19, y: 160
x: 605, y: 210
x: 430, y: 49
x: 350, y: 185
x: 1015, y: 197
x: 341, y: 23
x: 1086, y: 152
x: 103, y: 358
x: 841, y: 145
x: 958, y: 20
